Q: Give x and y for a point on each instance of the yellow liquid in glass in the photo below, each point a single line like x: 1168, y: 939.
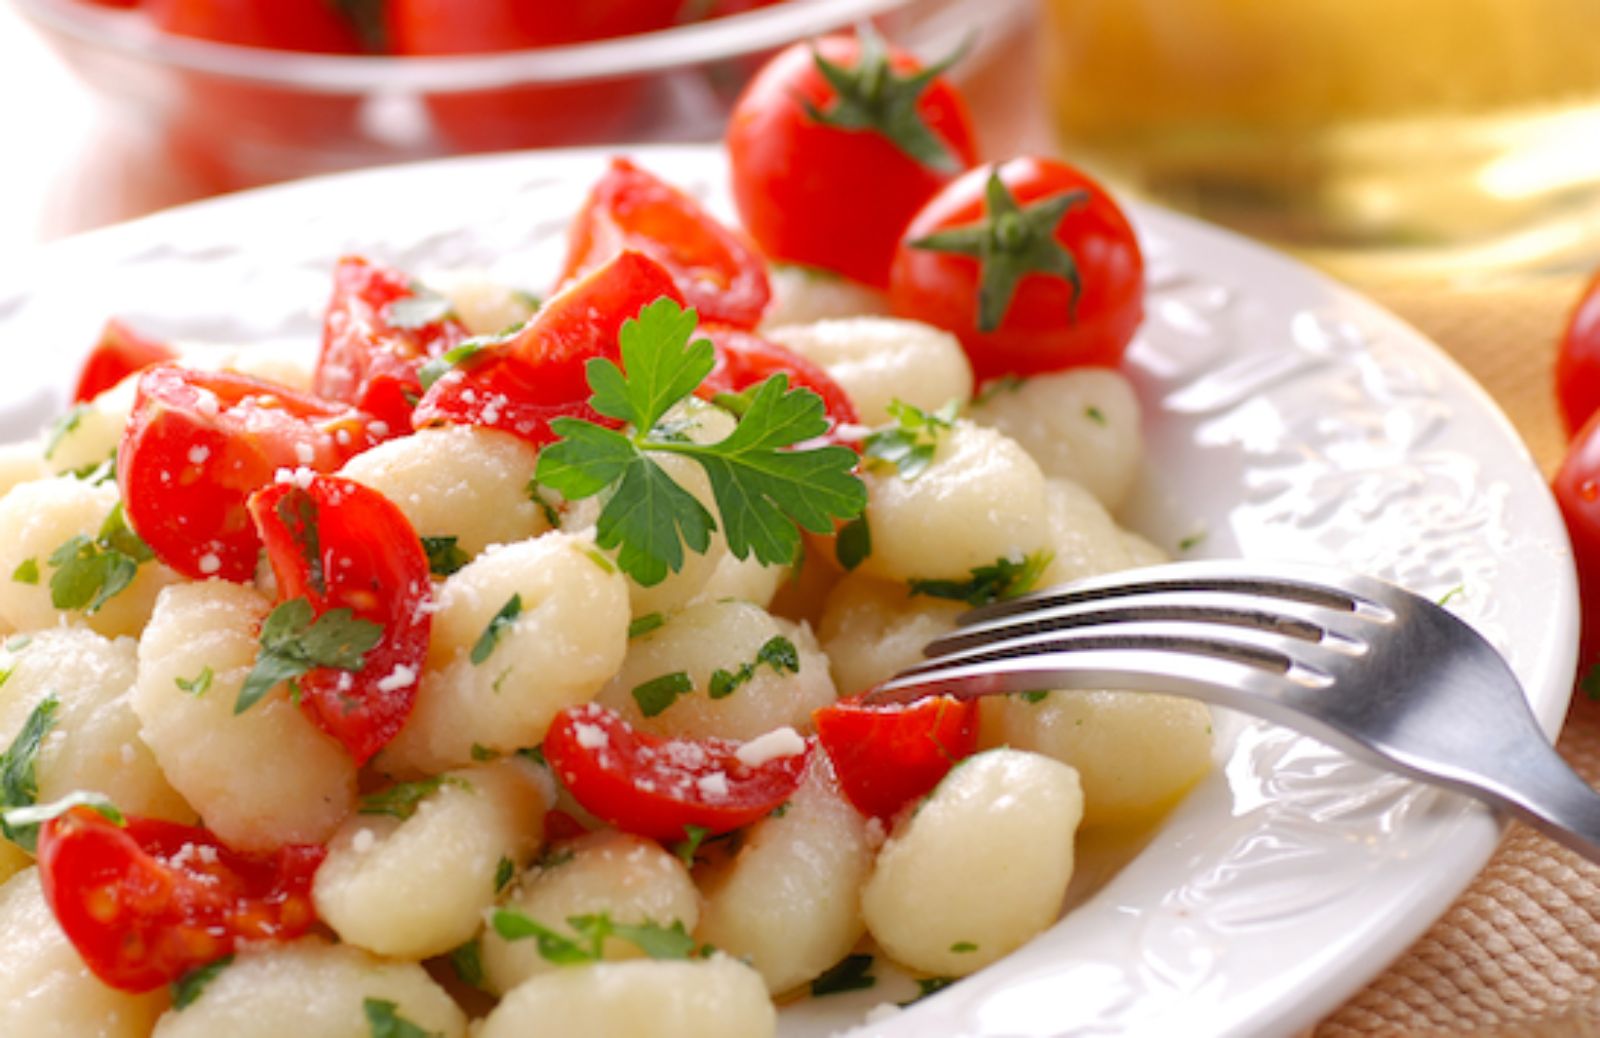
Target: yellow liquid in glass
x: 1436, y: 129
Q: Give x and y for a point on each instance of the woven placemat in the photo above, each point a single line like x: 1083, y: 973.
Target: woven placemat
x: 1518, y: 955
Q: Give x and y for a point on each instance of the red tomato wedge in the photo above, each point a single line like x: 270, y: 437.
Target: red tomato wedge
x: 656, y: 787
x: 520, y: 383
x: 889, y: 756
x: 718, y: 272
x: 339, y: 544
x: 146, y: 902
x: 745, y: 359
x: 371, y: 349
x: 199, y: 442
x: 120, y: 352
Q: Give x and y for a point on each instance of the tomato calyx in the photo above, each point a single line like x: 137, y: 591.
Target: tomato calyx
x: 872, y: 98
x: 1012, y: 242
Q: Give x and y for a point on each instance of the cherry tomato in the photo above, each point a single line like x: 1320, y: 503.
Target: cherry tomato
x: 745, y: 358
x: 656, y: 787
x: 370, y: 350
x: 1578, y: 361
x: 301, y: 25
x: 717, y: 271
x: 537, y: 373
x: 889, y: 756
x: 1577, y: 491
x: 836, y: 191
x: 530, y: 116
x: 1063, y: 282
x: 341, y: 545
x: 199, y: 442
x: 120, y: 352
x: 146, y: 902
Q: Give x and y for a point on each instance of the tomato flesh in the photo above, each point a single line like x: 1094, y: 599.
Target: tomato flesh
x: 299, y: 25
x: 822, y: 195
x: 199, y: 442
x: 1578, y: 361
x: 1047, y: 326
x: 339, y: 544
x: 889, y: 756
x: 523, y: 382
x: 657, y: 787
x: 367, y: 360
x: 745, y: 359
x: 119, y: 352
x: 716, y: 270
x: 147, y: 902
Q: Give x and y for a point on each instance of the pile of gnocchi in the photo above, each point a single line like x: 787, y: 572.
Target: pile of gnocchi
x: 499, y: 670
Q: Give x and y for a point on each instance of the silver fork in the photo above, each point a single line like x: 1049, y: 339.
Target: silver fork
x: 1360, y: 664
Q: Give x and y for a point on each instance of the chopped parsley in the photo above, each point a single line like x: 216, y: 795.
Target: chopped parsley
x: 197, y: 685
x: 686, y: 848
x: 994, y: 387
x: 293, y: 643
x: 643, y: 625
x: 655, y: 695
x: 927, y: 986
x: 909, y: 441
x: 853, y: 973
x: 778, y: 653
x: 1035, y: 697
x: 962, y: 947
x: 1004, y: 578
x: 1453, y: 593
x: 854, y: 543
x: 536, y: 494
x: 402, y: 800
x: 589, y: 936
x: 19, y: 778
x: 504, y: 873
x: 1192, y: 541
x: 188, y: 987
x: 440, y: 366
x: 65, y: 426
x: 444, y: 556
x: 485, y: 645
x: 385, y: 1021
x: 763, y: 489
x: 27, y: 571
x: 482, y: 753
x: 467, y: 961
x: 1095, y: 415
x: 90, y: 571
x: 96, y: 472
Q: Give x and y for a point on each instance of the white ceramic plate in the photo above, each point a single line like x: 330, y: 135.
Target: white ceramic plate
x: 1286, y: 418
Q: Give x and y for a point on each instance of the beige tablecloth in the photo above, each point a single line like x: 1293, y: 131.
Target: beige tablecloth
x: 1519, y: 953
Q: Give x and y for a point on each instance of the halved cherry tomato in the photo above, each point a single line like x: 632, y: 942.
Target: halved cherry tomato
x: 889, y: 756
x: 745, y: 358
x: 1578, y: 361
x: 339, y: 544
x: 370, y: 355
x: 146, y: 902
x: 719, y: 273
x: 199, y: 442
x: 655, y: 787
x: 536, y: 374
x: 831, y: 183
x: 1061, y: 281
x: 120, y: 352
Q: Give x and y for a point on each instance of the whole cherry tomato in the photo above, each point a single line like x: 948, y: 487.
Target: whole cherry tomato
x: 835, y: 144
x: 372, y: 347
x: 120, y: 352
x: 341, y: 545
x: 745, y: 359
x: 536, y: 374
x: 889, y: 756
x: 718, y: 272
x: 1578, y: 361
x: 1577, y: 490
x: 198, y: 443
x: 303, y: 25
x: 529, y: 116
x: 656, y: 787
x: 147, y: 901
x: 1029, y: 263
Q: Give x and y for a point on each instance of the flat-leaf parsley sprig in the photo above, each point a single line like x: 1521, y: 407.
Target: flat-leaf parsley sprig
x: 763, y: 489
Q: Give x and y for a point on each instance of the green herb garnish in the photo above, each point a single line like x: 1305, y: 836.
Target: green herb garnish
x: 294, y: 643
x: 19, y: 778
x: 778, y: 653
x: 850, y: 974
x: 197, y: 685
x: 909, y: 441
x: 27, y: 571
x: 655, y: 695
x: 444, y: 557
x: 1005, y: 578
x: 485, y: 645
x: 89, y: 572
x: 188, y: 987
x: 385, y: 1021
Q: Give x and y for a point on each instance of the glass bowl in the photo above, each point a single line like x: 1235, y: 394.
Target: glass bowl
x: 233, y: 116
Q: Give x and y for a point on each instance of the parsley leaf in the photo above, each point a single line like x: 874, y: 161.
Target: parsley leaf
x: 658, y: 693
x: 693, y: 837
x: 96, y: 472
x: 19, y: 779
x: 927, y: 986
x: 383, y: 1021
x: 444, y: 557
x: 590, y: 934
x: 962, y: 947
x: 188, y: 987
x: 504, y: 873
x: 778, y: 653
x: 293, y: 644
x: 484, y: 647
x: 643, y: 625
x: 467, y: 961
x: 27, y: 571
x: 762, y: 488
x: 440, y: 366
x: 851, y: 974
x: 1005, y: 578
x: 197, y: 685
x: 89, y: 572
x: 854, y: 543
x: 402, y: 800
x: 64, y: 426
x: 908, y: 442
